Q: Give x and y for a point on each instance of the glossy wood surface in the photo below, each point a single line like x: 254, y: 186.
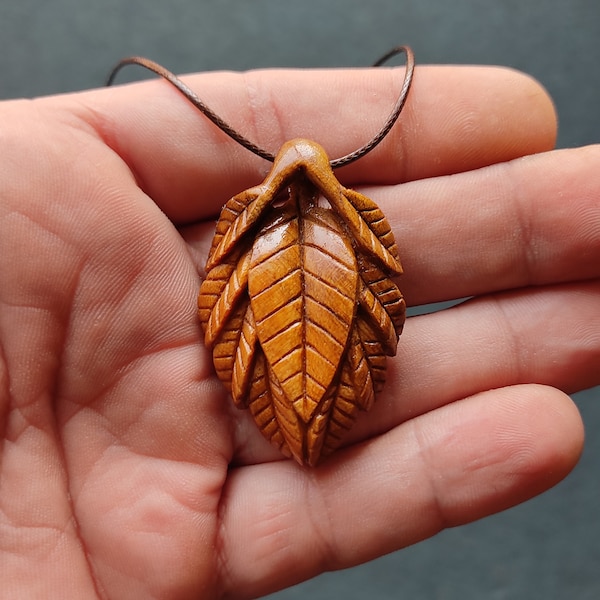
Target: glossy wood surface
x: 299, y: 306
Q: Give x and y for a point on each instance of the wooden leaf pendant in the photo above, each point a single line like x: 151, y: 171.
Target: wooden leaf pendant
x: 298, y: 305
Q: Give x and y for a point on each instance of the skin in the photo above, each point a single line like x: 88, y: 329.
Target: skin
x: 125, y: 470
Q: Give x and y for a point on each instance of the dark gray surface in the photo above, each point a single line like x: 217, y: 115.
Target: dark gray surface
x: 548, y: 548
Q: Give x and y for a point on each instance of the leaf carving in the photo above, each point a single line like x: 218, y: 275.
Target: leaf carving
x: 385, y: 290
x: 241, y: 376
x: 298, y: 303
x: 380, y: 320
x: 231, y: 288
x: 362, y: 380
x: 373, y: 216
x: 248, y: 205
x: 301, y: 266
x: 225, y: 347
x: 262, y: 407
x: 364, y: 237
x: 336, y: 419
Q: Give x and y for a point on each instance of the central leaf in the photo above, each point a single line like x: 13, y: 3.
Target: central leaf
x: 303, y: 283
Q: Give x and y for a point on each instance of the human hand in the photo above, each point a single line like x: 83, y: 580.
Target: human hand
x: 127, y: 473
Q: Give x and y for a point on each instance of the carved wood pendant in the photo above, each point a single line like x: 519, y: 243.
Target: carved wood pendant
x: 298, y: 305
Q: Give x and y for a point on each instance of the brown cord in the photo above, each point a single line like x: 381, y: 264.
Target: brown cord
x: 246, y: 143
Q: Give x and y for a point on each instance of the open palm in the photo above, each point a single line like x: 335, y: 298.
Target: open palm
x: 125, y: 471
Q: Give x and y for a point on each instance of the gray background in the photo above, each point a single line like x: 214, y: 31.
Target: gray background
x: 548, y: 548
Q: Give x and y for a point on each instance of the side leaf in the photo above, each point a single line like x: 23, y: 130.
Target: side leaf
x: 374, y: 351
x: 380, y: 319
x: 243, y: 365
x: 354, y: 391
x: 385, y: 290
x: 376, y: 220
x: 253, y: 203
x: 262, y: 407
x: 360, y: 370
x: 225, y: 346
x: 227, y: 297
x: 342, y: 413
x: 364, y: 236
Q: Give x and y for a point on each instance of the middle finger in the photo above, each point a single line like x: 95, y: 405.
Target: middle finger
x: 531, y: 221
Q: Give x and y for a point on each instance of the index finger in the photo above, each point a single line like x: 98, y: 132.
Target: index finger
x: 455, y: 119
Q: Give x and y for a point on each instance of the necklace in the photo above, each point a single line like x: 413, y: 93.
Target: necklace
x: 299, y: 306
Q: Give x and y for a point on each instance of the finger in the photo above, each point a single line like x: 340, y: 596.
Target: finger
x: 548, y: 336
x: 456, y: 119
x: 458, y: 464
x: 531, y: 221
